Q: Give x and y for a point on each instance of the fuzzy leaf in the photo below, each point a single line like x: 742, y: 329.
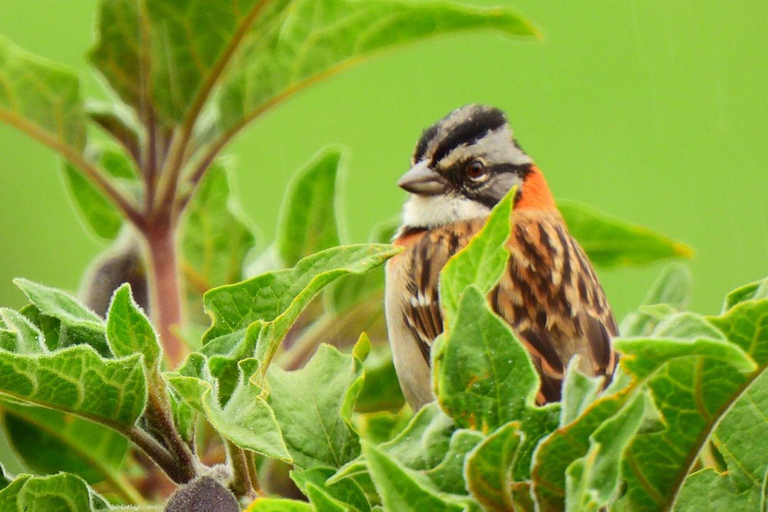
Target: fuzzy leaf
x: 41, y: 99
x: 481, y: 262
x: 77, y: 324
x: 400, y: 488
x: 49, y: 441
x: 488, y: 469
x: 485, y: 378
x: 245, y: 419
x: 306, y: 40
x: 752, y: 291
x: 610, y: 242
x: 448, y: 476
x: 129, y: 330
x: 214, y: 239
x: 312, y: 406
x: 57, y: 493
x: 308, y: 215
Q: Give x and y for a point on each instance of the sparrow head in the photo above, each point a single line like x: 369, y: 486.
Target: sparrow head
x: 462, y: 166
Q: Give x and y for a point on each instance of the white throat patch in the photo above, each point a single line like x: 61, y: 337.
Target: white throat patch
x: 431, y: 211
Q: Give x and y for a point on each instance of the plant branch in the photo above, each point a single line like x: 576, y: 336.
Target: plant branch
x: 157, y: 452
x: 242, y: 483
x: 179, y: 144
x: 93, y: 173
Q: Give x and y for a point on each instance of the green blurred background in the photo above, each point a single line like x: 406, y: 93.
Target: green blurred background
x: 651, y: 110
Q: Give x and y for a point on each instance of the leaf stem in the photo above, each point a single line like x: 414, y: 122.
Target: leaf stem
x: 242, y: 483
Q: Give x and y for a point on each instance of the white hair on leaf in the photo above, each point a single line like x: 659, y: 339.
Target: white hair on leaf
x: 437, y: 210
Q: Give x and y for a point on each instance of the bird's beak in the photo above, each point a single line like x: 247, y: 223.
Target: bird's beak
x: 422, y: 180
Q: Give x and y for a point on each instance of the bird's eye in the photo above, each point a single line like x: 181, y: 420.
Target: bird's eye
x: 476, y: 169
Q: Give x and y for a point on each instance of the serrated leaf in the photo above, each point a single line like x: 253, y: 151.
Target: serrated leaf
x: 312, y: 39
x: 97, y: 212
x: 488, y: 468
x: 49, y: 441
x: 481, y: 262
x: 593, y: 479
x: 77, y: 380
x: 130, y: 332
x: 78, y: 325
x: 245, y: 419
x: 402, y: 489
x: 214, y: 239
x: 41, y: 99
x: 346, y: 491
x: 57, y: 493
x: 672, y: 288
x: 610, y: 242
x: 484, y: 377
x: 312, y: 407
x: 307, y: 221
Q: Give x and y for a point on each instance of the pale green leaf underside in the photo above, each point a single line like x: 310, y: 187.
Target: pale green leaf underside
x: 610, y: 242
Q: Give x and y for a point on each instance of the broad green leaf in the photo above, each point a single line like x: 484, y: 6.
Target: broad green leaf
x: 484, y: 377
x: 347, y: 491
x: 678, y: 372
x: 481, y: 262
x: 41, y: 99
x: 118, y: 52
x: 488, y: 469
x: 312, y: 406
x: 593, y: 479
x: 214, y: 239
x: 281, y: 295
x: 381, y: 426
x: 309, y: 39
x: 20, y: 335
x: 691, y: 395
x: 402, y: 489
x: 97, y: 212
x: 130, y: 332
x: 77, y: 324
x: 308, y: 215
x: 610, y: 242
x: 738, y: 435
x: 246, y: 420
x: 381, y: 390
x: 77, y: 380
x: 57, y: 493
x: 322, y: 501
x: 578, y: 392
x: 448, y: 476
x: 752, y: 291
x: 49, y: 442
x: 671, y: 288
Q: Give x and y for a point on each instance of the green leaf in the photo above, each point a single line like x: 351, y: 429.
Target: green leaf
x: 49, y: 441
x: 57, y: 493
x: 245, y: 419
x: 680, y: 376
x: 214, y: 239
x: 402, y: 489
x: 485, y: 378
x: 279, y: 505
x: 593, y: 479
x: 381, y: 390
x: 77, y: 324
x: 20, y: 335
x: 610, y: 242
x: 481, y: 262
x: 346, y: 491
x: 672, y: 288
x: 77, y: 380
x: 448, y: 476
x: 41, y: 99
x: 752, y: 291
x: 117, y: 53
x: 312, y: 406
x: 130, y: 332
x: 306, y: 40
x: 97, y: 212
x: 579, y: 391
x: 488, y: 469
x: 308, y: 215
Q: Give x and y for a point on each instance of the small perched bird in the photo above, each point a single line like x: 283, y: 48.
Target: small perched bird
x: 549, y: 293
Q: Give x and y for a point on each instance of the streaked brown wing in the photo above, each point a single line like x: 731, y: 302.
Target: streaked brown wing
x: 552, y: 298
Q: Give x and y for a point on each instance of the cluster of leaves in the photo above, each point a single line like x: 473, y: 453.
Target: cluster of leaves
x: 281, y: 394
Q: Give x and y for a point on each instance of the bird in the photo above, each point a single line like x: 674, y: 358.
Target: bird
x: 549, y: 293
